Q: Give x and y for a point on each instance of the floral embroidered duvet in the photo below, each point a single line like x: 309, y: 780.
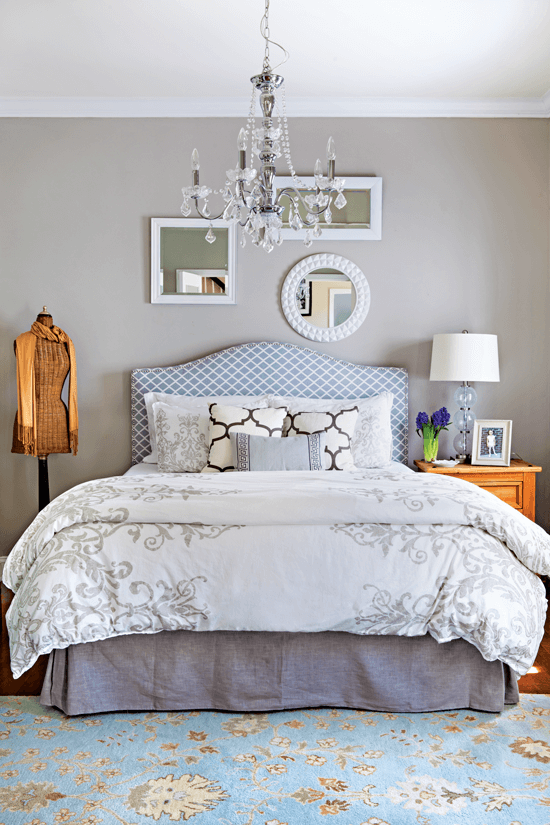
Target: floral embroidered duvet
x: 366, y: 552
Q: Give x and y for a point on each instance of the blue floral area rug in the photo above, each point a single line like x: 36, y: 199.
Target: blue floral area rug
x: 286, y: 768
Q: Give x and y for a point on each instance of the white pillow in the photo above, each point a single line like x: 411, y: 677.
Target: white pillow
x: 372, y: 441
x: 192, y: 402
x: 225, y: 420
x: 338, y: 425
x: 182, y: 439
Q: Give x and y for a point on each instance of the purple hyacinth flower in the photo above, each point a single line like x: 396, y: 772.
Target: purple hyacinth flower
x: 421, y: 419
x: 441, y: 418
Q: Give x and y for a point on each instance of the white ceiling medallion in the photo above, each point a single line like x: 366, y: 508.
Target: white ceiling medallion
x: 300, y: 272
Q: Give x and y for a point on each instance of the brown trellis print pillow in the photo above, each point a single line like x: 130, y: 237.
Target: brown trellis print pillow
x: 225, y: 420
x: 338, y: 426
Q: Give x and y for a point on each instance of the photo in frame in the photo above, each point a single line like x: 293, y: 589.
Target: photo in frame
x: 303, y: 297
x: 492, y: 442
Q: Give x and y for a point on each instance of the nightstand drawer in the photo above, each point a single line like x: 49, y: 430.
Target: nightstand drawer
x: 515, y: 485
x: 510, y: 492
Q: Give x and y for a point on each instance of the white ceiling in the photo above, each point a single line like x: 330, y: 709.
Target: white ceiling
x: 354, y: 57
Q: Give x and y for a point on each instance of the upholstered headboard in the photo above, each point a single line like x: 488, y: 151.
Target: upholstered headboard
x: 281, y: 369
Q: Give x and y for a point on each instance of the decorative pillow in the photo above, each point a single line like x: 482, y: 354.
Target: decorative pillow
x: 372, y: 441
x: 193, y: 402
x: 182, y: 439
x: 225, y: 420
x: 255, y: 452
x: 338, y: 426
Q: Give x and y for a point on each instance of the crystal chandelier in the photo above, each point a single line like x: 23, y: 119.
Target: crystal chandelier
x: 251, y: 196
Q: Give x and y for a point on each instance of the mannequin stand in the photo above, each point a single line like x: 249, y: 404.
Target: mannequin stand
x: 47, y: 430
x: 43, y: 482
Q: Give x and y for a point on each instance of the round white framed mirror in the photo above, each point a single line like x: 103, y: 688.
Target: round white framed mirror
x: 325, y: 297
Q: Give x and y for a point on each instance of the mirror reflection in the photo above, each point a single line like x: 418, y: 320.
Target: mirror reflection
x: 325, y: 298
x: 189, y: 265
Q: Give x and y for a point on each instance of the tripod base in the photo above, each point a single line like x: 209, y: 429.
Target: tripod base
x: 43, y: 482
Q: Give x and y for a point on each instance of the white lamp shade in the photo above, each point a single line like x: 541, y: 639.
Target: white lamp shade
x: 464, y: 357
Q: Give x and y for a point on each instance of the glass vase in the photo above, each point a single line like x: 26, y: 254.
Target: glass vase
x: 431, y: 445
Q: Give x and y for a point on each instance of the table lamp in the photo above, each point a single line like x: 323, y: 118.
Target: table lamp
x: 464, y: 357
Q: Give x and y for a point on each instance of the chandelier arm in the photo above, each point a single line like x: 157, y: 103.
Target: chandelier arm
x: 314, y: 210
x: 242, y: 192
x: 307, y: 223
x: 286, y: 192
x: 207, y: 217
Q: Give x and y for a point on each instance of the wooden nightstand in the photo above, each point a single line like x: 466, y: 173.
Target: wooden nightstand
x: 514, y: 484
x: 30, y: 683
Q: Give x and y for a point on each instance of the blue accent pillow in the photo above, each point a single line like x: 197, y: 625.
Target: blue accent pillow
x: 258, y: 452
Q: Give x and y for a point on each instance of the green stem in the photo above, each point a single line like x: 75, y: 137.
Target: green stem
x: 431, y: 443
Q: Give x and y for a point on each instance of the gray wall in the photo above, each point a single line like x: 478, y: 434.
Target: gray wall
x: 465, y: 245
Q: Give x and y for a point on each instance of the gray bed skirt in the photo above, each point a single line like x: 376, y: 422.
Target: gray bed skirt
x: 246, y: 671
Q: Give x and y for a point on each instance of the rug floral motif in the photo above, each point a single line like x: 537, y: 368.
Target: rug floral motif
x: 344, y: 767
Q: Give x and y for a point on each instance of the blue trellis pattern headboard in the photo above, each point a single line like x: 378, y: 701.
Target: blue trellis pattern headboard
x: 280, y: 369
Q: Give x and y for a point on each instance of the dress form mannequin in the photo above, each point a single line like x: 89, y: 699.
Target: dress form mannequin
x: 51, y: 366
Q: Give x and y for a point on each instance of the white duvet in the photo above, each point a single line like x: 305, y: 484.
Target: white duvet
x: 368, y: 552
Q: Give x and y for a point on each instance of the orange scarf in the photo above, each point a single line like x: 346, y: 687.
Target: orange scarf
x: 26, y: 388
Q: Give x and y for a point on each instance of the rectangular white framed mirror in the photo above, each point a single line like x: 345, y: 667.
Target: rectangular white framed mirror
x: 186, y: 269
x: 359, y: 220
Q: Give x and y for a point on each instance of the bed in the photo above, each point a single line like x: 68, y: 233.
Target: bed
x: 374, y: 588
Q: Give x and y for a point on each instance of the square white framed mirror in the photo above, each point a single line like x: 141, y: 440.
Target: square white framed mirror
x: 359, y: 220
x: 186, y: 268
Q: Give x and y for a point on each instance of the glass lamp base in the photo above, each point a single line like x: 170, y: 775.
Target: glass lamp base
x: 465, y: 396
x: 464, y: 420
x: 462, y: 444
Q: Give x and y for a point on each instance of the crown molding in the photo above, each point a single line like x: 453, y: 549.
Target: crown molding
x: 421, y: 107
x: 103, y: 107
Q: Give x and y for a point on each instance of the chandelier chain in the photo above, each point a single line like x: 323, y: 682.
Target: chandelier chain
x: 265, y: 32
x: 264, y: 29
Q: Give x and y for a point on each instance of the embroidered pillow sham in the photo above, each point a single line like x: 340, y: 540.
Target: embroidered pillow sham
x: 227, y: 419
x: 338, y: 426
x: 182, y: 439
x: 196, y: 403
x: 255, y: 452
x: 372, y: 441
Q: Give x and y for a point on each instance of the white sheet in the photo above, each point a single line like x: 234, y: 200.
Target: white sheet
x: 143, y: 468
x: 369, y: 552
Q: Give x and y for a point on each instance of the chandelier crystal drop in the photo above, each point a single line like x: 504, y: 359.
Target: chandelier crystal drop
x: 250, y: 195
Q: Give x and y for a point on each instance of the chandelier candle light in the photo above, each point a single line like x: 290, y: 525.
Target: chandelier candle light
x: 251, y: 196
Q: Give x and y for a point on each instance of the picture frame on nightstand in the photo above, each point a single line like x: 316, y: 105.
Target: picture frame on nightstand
x: 492, y: 442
